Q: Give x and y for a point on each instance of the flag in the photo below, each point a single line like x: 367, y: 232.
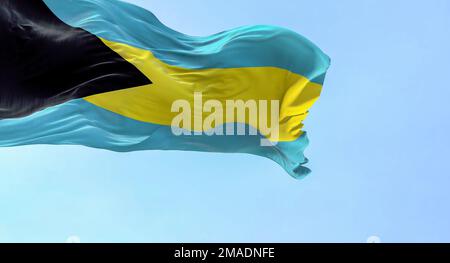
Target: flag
x: 108, y: 74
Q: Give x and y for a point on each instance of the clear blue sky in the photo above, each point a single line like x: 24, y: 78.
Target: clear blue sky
x: 379, y: 146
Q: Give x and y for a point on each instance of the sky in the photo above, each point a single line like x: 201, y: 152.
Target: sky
x: 379, y: 146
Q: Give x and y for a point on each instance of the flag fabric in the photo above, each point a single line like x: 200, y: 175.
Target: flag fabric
x: 105, y: 74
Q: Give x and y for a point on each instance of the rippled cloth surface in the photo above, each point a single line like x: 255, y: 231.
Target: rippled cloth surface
x: 104, y: 74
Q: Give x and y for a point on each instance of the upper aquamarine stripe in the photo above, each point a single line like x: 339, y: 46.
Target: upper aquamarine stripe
x: 79, y: 122
x: 249, y: 46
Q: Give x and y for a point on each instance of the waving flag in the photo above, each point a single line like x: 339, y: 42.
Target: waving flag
x: 106, y: 74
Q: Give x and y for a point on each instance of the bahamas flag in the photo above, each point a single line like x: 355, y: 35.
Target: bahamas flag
x: 106, y: 74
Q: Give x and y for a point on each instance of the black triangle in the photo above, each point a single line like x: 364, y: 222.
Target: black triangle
x: 45, y: 62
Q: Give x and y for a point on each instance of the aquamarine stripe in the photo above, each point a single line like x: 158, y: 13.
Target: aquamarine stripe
x: 249, y: 46
x: 79, y: 122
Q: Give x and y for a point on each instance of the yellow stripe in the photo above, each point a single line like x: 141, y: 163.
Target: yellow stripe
x: 152, y: 103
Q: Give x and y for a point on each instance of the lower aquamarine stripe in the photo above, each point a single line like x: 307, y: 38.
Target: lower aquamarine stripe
x: 79, y: 122
x: 249, y: 46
